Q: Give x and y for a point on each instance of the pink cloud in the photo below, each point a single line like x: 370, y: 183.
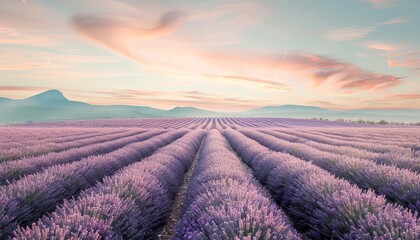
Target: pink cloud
x: 381, y: 3
x: 30, y: 15
x: 158, y: 48
x: 326, y: 104
x: 263, y: 83
x: 19, y: 60
x: 405, y: 96
x: 409, y: 60
x: 15, y: 37
x: 399, y: 20
x: 20, y: 88
x: 391, y: 101
x: 409, y: 63
x: 348, y: 33
x: 169, y: 99
x: 116, y: 33
x: 381, y: 46
x: 319, y: 69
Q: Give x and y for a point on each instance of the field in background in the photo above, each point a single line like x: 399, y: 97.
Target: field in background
x: 209, y: 178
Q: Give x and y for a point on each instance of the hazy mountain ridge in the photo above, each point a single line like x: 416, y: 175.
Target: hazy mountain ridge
x: 52, y: 105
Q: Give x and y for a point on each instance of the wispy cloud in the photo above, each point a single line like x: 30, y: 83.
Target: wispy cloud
x: 348, y: 33
x: 392, y: 101
x: 19, y: 60
x: 411, y: 63
x: 409, y: 60
x: 21, y: 88
x: 325, y: 104
x: 15, y: 37
x: 398, y: 20
x: 381, y: 3
x: 166, y: 99
x: 405, y: 96
x: 319, y: 69
x: 118, y: 32
x: 355, y: 32
x: 381, y: 46
x: 263, y: 83
x: 119, y: 35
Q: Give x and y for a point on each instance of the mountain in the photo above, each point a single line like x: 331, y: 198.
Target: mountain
x: 2, y: 99
x: 286, y: 109
x: 49, y: 96
x: 191, y: 112
x: 52, y: 105
x: 49, y: 99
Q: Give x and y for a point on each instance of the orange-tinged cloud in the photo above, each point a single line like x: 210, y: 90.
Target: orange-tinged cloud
x: 170, y: 99
x: 399, y: 20
x: 410, y: 63
x: 348, y: 33
x: 381, y: 3
x: 318, y: 68
x: 263, y: 83
x: 20, y: 88
x: 117, y: 33
x: 405, y: 96
x: 153, y: 48
x: 381, y: 46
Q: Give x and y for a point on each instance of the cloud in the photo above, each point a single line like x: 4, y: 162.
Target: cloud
x: 158, y: 48
x: 325, y: 104
x: 20, y: 88
x: 120, y: 35
x: 17, y: 59
x: 263, y: 83
x: 405, y: 96
x: 20, y: 60
x: 412, y: 63
x: 399, y: 20
x: 170, y: 99
x: 117, y: 33
x: 348, y: 33
x: 15, y: 37
x: 381, y: 46
x: 381, y: 3
x: 392, y: 101
x: 319, y: 69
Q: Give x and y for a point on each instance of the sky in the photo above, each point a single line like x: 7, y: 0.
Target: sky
x: 218, y: 55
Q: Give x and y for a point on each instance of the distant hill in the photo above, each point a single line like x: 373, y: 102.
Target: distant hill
x: 191, y: 112
x: 52, y: 105
x: 298, y: 111
x: 287, y: 109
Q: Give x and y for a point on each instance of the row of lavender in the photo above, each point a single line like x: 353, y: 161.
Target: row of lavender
x: 389, y: 169
x: 321, y: 205
x: 25, y: 200
x: 398, y: 185
x: 206, y: 123
x: 213, y: 182
x: 223, y: 201
x: 16, y: 142
x: 401, y: 156
x: 35, y: 147
x: 13, y: 170
x: 132, y: 204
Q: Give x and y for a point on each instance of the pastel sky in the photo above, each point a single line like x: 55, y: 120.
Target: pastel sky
x: 219, y: 55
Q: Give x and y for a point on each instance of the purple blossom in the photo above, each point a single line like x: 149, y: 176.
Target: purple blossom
x: 223, y: 201
x: 322, y: 205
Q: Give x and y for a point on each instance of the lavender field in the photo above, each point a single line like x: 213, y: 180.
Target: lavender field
x: 209, y: 178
